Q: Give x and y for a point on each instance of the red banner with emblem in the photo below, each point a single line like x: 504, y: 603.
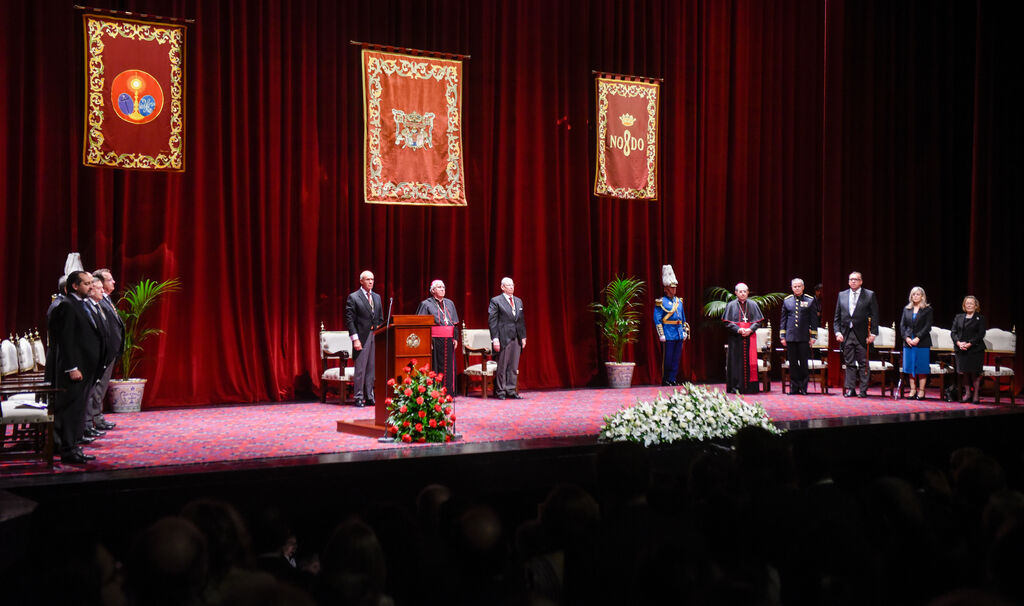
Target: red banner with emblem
x: 134, y: 94
x: 627, y: 139
x: 413, y: 125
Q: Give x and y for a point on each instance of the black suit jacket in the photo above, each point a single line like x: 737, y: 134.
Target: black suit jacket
x: 920, y: 328
x: 504, y: 326
x: 116, y: 324
x: 79, y: 340
x: 867, y: 309
x: 359, y: 320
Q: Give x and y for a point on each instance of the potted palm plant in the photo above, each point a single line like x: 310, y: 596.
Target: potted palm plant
x: 619, y: 320
x: 716, y: 298
x: 125, y: 392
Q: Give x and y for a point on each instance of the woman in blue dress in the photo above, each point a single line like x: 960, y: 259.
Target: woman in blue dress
x: 916, y: 330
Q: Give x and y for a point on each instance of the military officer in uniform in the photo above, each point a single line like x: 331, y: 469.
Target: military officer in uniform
x: 670, y: 322
x: 798, y: 328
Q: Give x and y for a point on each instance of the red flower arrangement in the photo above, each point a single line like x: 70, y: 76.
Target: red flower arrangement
x: 416, y: 413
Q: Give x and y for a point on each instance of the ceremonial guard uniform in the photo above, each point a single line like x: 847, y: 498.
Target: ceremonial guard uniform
x: 670, y: 322
x: 798, y: 327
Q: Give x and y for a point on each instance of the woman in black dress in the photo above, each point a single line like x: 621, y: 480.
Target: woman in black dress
x: 968, y: 335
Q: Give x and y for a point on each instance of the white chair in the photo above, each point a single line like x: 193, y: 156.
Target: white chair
x: 39, y: 351
x: 1001, y: 347
x: 8, y: 358
x: 764, y: 356
x: 26, y: 429
x: 885, y: 347
x: 476, y: 342
x: 335, y: 353
x: 26, y: 357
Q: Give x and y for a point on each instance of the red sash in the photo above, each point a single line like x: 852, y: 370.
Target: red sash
x: 750, y: 353
x: 442, y: 331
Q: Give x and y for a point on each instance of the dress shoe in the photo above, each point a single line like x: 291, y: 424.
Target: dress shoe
x: 919, y: 396
x: 849, y: 393
x: 500, y: 396
x: 863, y: 394
x: 516, y: 396
x: 86, y: 440
x: 105, y: 425
x: 76, y: 456
x: 92, y: 432
x: 359, y: 404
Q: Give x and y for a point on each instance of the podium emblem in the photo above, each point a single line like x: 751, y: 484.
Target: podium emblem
x: 412, y: 341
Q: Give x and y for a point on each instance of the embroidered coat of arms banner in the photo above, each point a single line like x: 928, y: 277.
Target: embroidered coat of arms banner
x: 134, y: 94
x: 627, y: 139
x: 413, y: 127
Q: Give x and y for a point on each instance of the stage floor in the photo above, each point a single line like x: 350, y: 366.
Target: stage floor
x: 215, y: 438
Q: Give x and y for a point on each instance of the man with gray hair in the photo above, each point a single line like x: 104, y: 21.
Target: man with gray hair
x: 742, y: 318
x: 798, y: 328
x: 104, y: 279
x: 508, y: 338
x: 363, y: 314
x: 442, y: 333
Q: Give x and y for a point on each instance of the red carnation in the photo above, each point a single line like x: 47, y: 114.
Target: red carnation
x: 422, y: 439
x: 424, y: 369
x: 422, y: 414
x: 447, y: 398
x: 408, y: 392
x: 432, y: 374
x: 453, y: 418
x: 406, y: 424
x: 448, y: 410
x: 419, y: 427
x: 447, y: 438
x: 441, y: 423
x: 419, y: 400
x: 440, y: 376
x: 406, y: 437
x: 433, y: 423
x: 429, y: 381
x: 391, y: 381
x: 387, y: 400
x: 437, y: 407
x: 407, y: 381
x: 444, y: 390
x: 412, y: 363
x: 403, y: 409
x: 392, y: 430
x: 421, y: 389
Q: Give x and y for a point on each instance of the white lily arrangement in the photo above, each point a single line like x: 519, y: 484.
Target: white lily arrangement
x: 691, y: 412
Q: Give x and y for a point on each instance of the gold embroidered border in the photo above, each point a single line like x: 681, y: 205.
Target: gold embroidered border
x: 625, y: 88
x: 379, y: 190
x: 174, y: 37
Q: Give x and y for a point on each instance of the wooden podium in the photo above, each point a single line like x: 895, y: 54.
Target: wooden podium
x: 406, y: 338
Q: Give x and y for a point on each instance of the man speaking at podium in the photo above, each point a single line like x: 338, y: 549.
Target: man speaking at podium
x: 363, y: 314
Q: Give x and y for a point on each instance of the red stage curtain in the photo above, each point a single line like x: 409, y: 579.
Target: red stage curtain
x: 882, y: 139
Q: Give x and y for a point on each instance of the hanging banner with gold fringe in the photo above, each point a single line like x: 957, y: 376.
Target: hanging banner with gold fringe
x: 134, y: 93
x: 627, y: 138
x: 413, y: 126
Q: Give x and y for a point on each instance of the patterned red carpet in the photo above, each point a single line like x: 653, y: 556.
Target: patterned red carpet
x: 244, y: 432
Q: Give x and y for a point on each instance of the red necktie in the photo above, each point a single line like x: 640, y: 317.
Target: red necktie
x: 369, y: 301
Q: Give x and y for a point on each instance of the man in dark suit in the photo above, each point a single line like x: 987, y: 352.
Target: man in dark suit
x: 508, y: 338
x: 798, y: 328
x: 76, y: 330
x: 110, y: 311
x: 113, y: 345
x: 856, y: 324
x: 363, y: 314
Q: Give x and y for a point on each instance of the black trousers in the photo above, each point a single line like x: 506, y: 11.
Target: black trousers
x: 799, y: 355
x: 855, y: 357
x: 69, y: 413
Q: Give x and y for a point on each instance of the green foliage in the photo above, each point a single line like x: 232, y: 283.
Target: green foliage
x: 420, y: 409
x: 618, y: 316
x: 136, y: 299
x: 716, y: 298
